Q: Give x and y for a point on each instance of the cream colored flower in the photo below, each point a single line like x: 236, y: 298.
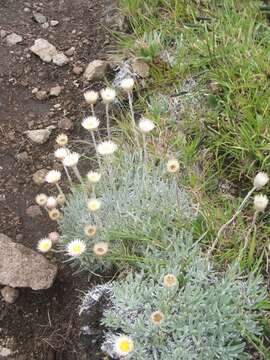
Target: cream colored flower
x: 93, y: 177
x: 108, y: 95
x: 146, y: 125
x: 44, y: 245
x: 157, y: 317
x: 91, y: 97
x: 106, y: 148
x: 61, y: 153
x: 76, y: 248
x: 55, y: 214
x: 90, y: 230
x: 170, y: 281
x: 101, y: 248
x: 53, y: 176
x: 51, y: 202
x: 123, y: 345
x: 260, y: 180
x: 41, y: 199
x: 62, y: 139
x: 71, y: 159
x: 127, y: 84
x: 94, y: 204
x: 260, y: 202
x: 90, y: 123
x: 61, y: 199
x: 173, y: 166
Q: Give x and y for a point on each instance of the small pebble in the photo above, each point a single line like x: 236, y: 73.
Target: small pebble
x: 10, y: 294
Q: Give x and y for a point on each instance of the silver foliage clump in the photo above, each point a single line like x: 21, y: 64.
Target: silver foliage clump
x: 140, y: 210
x: 206, y: 316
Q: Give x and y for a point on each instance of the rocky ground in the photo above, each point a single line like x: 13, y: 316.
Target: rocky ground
x: 42, y: 89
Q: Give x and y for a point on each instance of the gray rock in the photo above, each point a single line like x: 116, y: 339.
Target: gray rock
x: 70, y: 51
x: 55, y: 90
x: 13, y: 39
x: 4, y: 352
x: 60, y: 59
x: 23, y: 156
x: 33, y: 211
x: 39, y: 18
x: 95, y: 70
x: 45, y: 25
x: 140, y: 68
x: 23, y: 267
x: 54, y: 22
x: 39, y: 136
x: 65, y: 124
x: 77, y: 70
x: 41, y: 95
x: 3, y: 34
x: 10, y: 295
x: 45, y: 50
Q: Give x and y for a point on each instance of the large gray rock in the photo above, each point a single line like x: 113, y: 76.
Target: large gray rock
x: 23, y: 267
x: 95, y: 70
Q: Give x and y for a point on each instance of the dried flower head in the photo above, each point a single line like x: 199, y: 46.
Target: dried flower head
x: 53, y: 177
x: 75, y: 247
x: 94, y: 204
x: 54, y: 214
x: 170, y: 280
x: 51, y: 202
x: 108, y: 95
x: 90, y: 123
x: 260, y: 202
x: 106, y: 148
x: 173, y: 166
x: 260, y: 180
x: 123, y: 345
x: 39, y: 176
x: 61, y: 199
x: 93, y: 177
x: 101, y: 248
x: 146, y: 125
x: 127, y: 84
x: 157, y: 317
x: 62, y: 139
x: 54, y: 237
x: 71, y: 159
x: 91, y: 97
x: 90, y: 230
x: 41, y: 199
x: 44, y: 245
x: 61, y: 153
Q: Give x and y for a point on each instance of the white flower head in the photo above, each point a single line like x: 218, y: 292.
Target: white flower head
x: 157, y: 317
x: 53, y: 176
x: 76, y: 248
x: 123, y: 345
x: 71, y: 159
x: 108, y: 95
x: 61, y: 153
x: 91, y: 97
x: 170, y: 280
x: 94, y: 204
x: 127, y: 84
x: 90, y: 123
x: 260, y: 202
x: 54, y: 214
x: 41, y: 199
x: 93, y: 177
x: 260, y: 180
x: 106, y: 148
x: 51, y: 202
x: 44, y: 245
x: 101, y: 248
x: 146, y: 125
x: 173, y: 166
x: 90, y: 230
x: 62, y: 139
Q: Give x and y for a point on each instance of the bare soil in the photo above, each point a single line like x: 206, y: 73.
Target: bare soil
x: 44, y: 324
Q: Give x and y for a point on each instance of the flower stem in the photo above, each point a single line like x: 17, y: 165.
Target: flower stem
x: 68, y: 176
x: 223, y: 227
x: 252, y: 226
x: 78, y: 175
x: 59, y: 189
x: 92, y: 109
x: 130, y: 101
x: 108, y: 121
x: 95, y: 145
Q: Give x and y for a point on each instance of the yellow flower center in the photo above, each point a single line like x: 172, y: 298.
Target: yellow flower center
x: 124, y: 346
x: 77, y: 248
x: 45, y: 246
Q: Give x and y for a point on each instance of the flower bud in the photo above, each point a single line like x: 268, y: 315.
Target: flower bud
x: 260, y: 180
x: 260, y: 202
